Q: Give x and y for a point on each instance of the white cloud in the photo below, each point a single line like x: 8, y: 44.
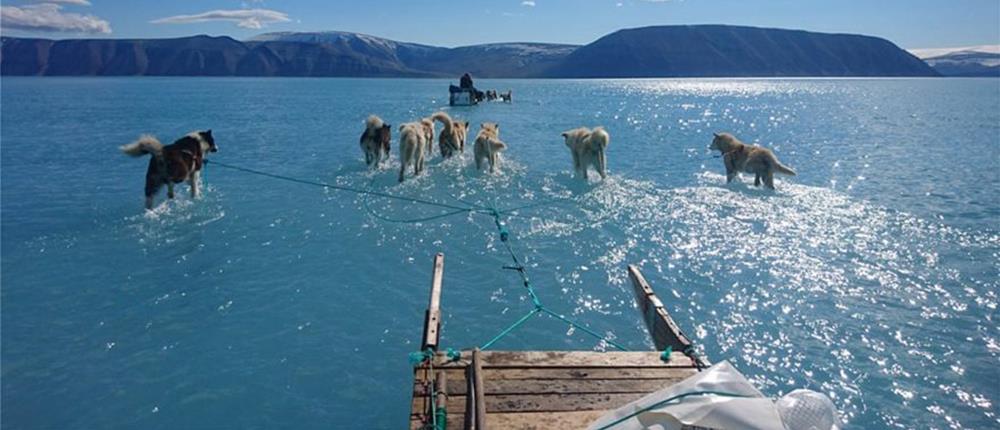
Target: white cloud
x: 74, y: 2
x: 528, y: 3
x: 246, y: 18
x: 50, y: 17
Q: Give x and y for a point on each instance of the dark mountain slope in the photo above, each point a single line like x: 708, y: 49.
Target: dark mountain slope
x: 669, y: 51
x: 720, y: 50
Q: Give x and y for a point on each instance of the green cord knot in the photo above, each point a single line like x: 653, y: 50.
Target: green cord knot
x: 665, y: 355
x: 453, y: 355
x: 534, y: 297
x: 418, y: 357
x: 502, y: 226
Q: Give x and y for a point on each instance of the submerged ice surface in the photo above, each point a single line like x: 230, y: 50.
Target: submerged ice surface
x: 871, y: 277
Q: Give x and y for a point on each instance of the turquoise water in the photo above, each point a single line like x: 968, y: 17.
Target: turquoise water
x: 872, y: 276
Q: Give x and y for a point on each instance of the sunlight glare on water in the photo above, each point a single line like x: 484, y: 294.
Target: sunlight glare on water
x: 870, y: 277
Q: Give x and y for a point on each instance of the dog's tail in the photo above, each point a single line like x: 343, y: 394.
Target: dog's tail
x: 373, y: 122
x: 444, y: 119
x: 146, y: 144
x: 780, y: 168
x: 599, y: 138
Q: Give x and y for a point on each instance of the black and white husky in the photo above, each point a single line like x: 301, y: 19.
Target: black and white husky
x: 170, y: 164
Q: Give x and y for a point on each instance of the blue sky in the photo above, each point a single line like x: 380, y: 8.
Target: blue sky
x: 908, y: 23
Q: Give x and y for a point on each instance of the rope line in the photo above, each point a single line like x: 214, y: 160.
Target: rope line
x: 339, y: 187
x: 538, y: 306
x: 664, y: 402
x: 473, y: 208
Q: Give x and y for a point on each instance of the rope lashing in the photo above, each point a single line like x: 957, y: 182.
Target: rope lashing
x: 341, y: 187
x: 538, y: 306
x: 422, y: 356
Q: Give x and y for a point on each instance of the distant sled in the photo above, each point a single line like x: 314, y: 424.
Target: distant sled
x: 458, y: 96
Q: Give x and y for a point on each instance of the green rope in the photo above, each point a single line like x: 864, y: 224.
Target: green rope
x: 585, y: 329
x: 664, y: 402
x: 539, y: 307
x: 340, y: 187
x: 509, y: 329
x: 455, y: 210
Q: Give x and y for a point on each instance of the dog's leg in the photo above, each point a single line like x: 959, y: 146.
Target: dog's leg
x: 727, y: 160
x: 195, y: 179
x: 769, y: 179
x: 170, y: 189
x: 152, y: 187
x: 576, y: 163
x: 402, y: 171
x: 603, y: 169
x: 756, y: 180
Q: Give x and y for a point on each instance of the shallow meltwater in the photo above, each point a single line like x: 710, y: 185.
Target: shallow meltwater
x: 870, y: 277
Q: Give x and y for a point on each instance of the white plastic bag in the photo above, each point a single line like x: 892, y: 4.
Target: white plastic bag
x: 717, y: 398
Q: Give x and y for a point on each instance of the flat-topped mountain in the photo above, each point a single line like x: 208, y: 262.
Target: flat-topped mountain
x: 664, y: 51
x: 724, y: 50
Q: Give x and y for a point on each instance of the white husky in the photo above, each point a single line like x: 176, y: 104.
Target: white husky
x: 488, y: 145
x: 587, y: 147
x: 411, y: 147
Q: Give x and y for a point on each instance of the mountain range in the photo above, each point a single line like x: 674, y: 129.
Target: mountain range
x: 969, y: 61
x: 661, y: 51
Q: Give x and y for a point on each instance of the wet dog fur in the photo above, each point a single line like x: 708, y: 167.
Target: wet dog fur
x: 170, y: 164
x: 375, y: 140
x: 740, y: 157
x: 453, y: 134
x: 587, y: 147
x: 488, y: 146
x: 411, y: 148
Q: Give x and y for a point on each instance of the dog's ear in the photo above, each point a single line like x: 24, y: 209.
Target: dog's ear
x: 467, y: 124
x: 715, y: 134
x: 565, y: 134
x: 208, y: 132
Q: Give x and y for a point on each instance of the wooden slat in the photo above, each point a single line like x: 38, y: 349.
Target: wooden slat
x: 455, y: 421
x: 525, y: 420
x: 543, y: 402
x: 557, y: 386
x: 543, y: 420
x: 543, y: 359
x: 432, y: 319
x: 470, y: 412
x: 581, y: 359
x: 441, y: 387
x: 480, y: 396
x: 660, y: 325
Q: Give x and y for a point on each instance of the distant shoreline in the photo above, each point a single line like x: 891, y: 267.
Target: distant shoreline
x: 675, y: 51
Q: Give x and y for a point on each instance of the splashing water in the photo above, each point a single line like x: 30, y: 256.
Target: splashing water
x: 871, y: 277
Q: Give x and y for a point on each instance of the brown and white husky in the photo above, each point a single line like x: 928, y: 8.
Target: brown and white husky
x: 170, y: 164
x: 740, y: 157
x: 452, y: 139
